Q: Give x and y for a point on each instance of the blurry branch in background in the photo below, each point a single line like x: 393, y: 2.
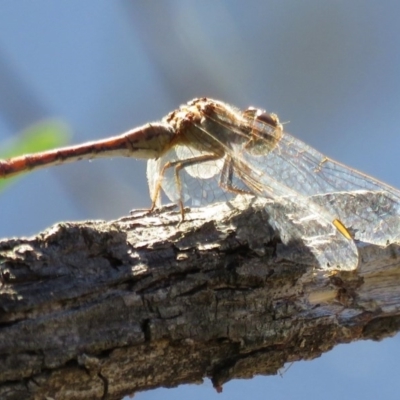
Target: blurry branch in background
x: 95, y: 309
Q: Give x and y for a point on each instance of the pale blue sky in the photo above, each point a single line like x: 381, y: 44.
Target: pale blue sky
x: 330, y: 68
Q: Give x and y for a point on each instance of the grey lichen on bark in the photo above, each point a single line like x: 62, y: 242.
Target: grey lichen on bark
x: 98, y: 309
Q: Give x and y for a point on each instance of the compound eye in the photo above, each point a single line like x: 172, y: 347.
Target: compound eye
x: 270, y: 119
x: 263, y: 116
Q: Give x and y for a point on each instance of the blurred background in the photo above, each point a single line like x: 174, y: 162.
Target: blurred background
x: 99, y: 67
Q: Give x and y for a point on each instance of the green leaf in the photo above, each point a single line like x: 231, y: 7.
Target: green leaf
x: 42, y: 136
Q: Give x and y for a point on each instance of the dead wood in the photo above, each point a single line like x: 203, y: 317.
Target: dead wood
x: 98, y: 310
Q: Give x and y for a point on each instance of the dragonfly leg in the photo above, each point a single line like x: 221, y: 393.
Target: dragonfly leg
x: 178, y: 165
x: 226, y: 176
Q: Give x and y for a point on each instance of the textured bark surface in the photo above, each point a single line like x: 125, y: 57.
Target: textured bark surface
x: 98, y: 310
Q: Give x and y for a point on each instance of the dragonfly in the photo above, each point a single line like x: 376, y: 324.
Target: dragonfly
x: 207, y: 151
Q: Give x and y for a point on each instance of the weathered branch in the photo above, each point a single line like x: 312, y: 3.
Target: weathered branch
x: 103, y: 309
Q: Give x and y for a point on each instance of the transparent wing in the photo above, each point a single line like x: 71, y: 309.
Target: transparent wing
x: 292, y: 166
x: 199, y: 182
x: 297, y: 224
x: 153, y: 174
x: 201, y: 186
x: 275, y: 164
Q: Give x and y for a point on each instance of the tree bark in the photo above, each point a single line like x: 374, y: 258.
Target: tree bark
x: 99, y: 310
